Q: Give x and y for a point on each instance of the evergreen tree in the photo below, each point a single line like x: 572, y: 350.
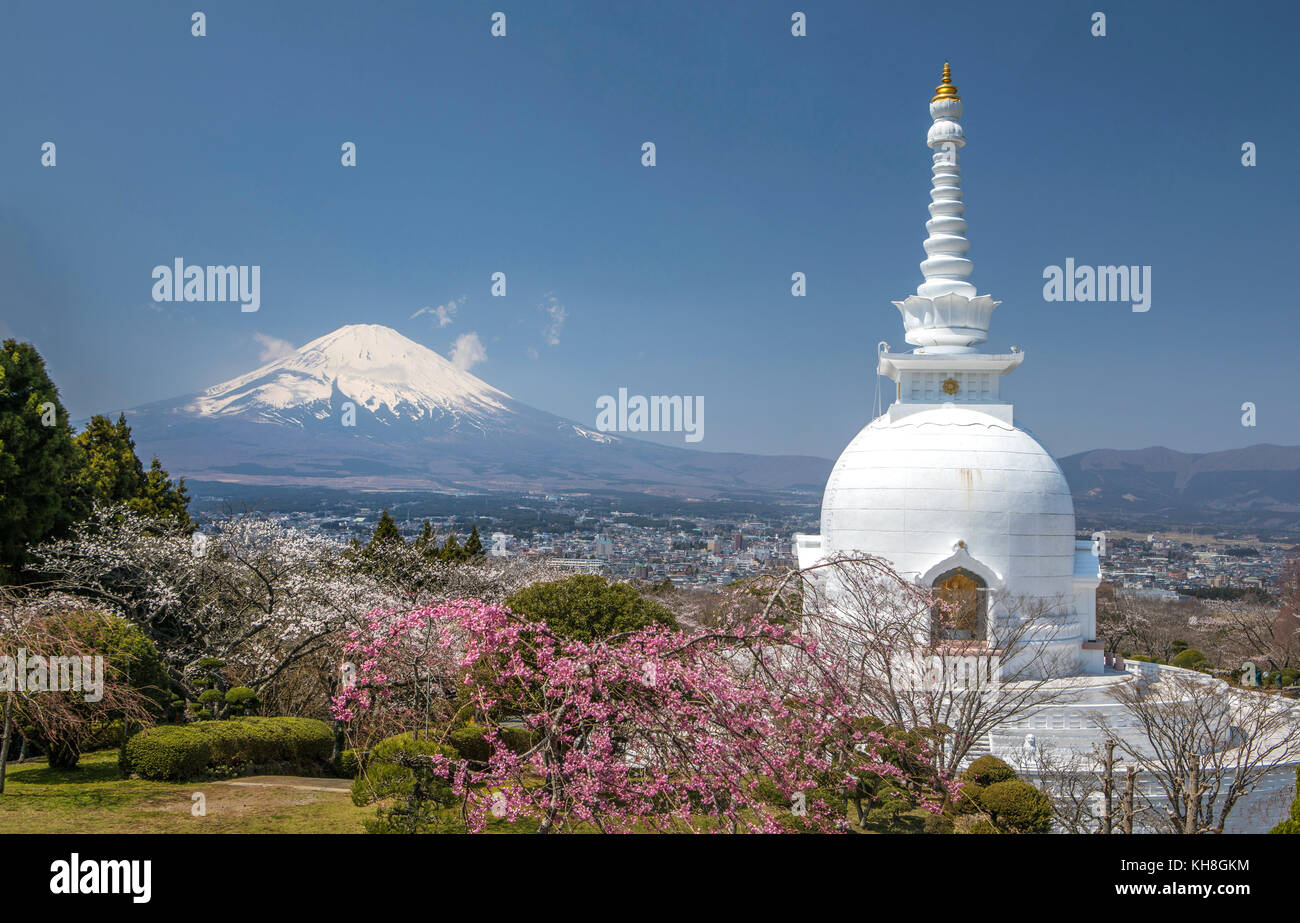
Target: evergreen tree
x: 160, y: 498
x: 111, y: 473
x: 424, y: 541
x: 474, y: 544
x: 385, y: 533
x: 587, y: 607
x: 38, y: 457
x: 451, y: 550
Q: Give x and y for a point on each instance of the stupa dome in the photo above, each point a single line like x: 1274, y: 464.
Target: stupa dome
x: 912, y: 488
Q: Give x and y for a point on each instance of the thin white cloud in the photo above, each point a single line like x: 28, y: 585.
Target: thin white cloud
x: 556, y: 316
x: 444, y: 314
x: 467, y: 351
x: 273, y: 347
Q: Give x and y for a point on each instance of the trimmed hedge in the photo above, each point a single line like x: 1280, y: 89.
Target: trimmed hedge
x: 987, y: 770
x: 1190, y: 659
x: 176, y: 752
x: 169, y: 753
x: 1018, y: 806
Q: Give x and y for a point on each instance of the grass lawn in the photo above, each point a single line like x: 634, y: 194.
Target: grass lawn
x: 94, y: 798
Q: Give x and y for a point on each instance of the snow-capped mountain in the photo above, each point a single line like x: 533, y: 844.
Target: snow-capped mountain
x: 394, y: 378
x: 365, y: 407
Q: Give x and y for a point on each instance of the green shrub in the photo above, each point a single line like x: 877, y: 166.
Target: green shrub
x: 103, y: 736
x: 229, y: 746
x: 208, y: 701
x: 894, y: 815
x: 166, y: 754
x: 767, y: 792
x: 517, y: 740
x: 937, y: 823
x: 349, y: 763
x: 413, y: 794
x: 968, y: 800
x: 982, y: 826
x: 587, y: 607
x: 1190, y: 659
x: 1017, y: 807
x: 470, y: 744
x: 987, y: 770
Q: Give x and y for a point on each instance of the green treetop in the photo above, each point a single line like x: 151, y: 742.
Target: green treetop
x: 38, y: 458
x: 385, y: 532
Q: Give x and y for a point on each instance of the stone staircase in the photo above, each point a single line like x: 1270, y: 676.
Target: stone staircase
x: 979, y: 748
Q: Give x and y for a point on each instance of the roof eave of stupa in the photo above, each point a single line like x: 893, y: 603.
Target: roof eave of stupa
x: 892, y: 365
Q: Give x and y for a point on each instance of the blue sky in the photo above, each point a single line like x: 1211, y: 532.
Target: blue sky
x: 775, y: 154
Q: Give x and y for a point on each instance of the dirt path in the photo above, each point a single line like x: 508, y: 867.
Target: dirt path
x: 297, y: 783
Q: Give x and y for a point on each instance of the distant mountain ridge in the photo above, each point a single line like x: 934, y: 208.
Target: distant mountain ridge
x: 1256, y: 487
x: 420, y: 423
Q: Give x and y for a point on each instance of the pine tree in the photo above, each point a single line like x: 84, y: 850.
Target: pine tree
x: 111, y: 473
x: 38, y: 457
x: 451, y: 550
x: 385, y: 533
x: 162, y: 498
x: 474, y: 544
x: 425, y: 538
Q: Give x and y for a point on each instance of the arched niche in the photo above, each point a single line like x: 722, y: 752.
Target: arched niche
x: 963, y: 579
x: 967, y: 593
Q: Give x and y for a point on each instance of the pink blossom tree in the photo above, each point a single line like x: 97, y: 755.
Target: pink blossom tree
x: 745, y: 726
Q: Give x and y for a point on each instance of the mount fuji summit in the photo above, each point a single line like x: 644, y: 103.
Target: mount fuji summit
x: 420, y: 423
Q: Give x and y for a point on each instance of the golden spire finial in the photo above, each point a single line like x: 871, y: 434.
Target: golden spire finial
x: 945, y: 89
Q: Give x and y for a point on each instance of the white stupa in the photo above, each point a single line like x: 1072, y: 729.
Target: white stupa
x: 947, y: 487
x: 944, y: 484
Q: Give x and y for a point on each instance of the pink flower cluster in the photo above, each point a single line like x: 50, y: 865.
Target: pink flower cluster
x: 743, y: 729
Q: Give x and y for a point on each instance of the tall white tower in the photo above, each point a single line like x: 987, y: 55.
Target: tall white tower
x: 946, y: 487
x: 943, y: 484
